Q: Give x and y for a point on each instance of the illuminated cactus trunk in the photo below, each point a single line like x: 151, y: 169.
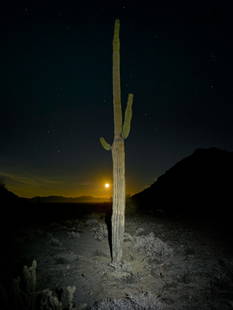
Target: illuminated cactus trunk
x: 118, y: 152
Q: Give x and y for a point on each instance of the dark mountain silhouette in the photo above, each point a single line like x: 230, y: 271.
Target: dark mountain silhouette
x: 6, y: 196
x: 200, y: 184
x: 13, y: 209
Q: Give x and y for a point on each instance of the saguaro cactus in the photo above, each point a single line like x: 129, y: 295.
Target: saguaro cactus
x: 121, y: 132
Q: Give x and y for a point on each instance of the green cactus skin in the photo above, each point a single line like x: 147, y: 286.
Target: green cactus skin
x: 118, y: 152
x: 105, y: 144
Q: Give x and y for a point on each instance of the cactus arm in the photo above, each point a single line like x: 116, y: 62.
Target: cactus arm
x: 105, y: 144
x: 128, y: 117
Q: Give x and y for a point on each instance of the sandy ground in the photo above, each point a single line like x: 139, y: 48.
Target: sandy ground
x: 167, y: 265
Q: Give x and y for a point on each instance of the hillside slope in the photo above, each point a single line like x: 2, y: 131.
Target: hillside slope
x: 200, y: 183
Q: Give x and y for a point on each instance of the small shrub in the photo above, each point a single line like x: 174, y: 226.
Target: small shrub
x: 100, y: 231
x: 100, y: 253
x: 49, y: 301
x: 143, y: 301
x: 153, y: 247
x: 73, y: 234
x: 128, y: 237
x: 139, y: 231
x: 91, y: 222
x: 54, y: 241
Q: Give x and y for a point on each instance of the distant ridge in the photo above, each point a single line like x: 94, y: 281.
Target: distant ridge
x: 7, y: 196
x: 62, y: 199
x: 200, y: 183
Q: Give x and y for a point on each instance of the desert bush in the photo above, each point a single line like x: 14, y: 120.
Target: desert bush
x: 143, y: 301
x: 128, y: 237
x: 49, y: 301
x: 54, y: 241
x: 100, y: 253
x: 139, y: 231
x: 123, y: 267
x: 91, y: 222
x: 99, y: 231
x: 73, y: 234
x: 153, y: 248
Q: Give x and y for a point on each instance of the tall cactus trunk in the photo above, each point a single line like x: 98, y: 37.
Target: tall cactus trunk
x: 118, y: 208
x: 118, y: 153
x: 118, y: 156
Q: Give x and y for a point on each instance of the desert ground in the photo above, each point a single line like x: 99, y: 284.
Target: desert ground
x: 168, y: 263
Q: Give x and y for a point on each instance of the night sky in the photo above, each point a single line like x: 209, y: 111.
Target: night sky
x: 56, y: 97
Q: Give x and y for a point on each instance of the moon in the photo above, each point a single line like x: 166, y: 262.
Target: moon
x: 106, y: 185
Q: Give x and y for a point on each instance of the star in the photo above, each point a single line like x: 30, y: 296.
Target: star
x: 212, y: 57
x: 211, y: 84
x: 26, y: 11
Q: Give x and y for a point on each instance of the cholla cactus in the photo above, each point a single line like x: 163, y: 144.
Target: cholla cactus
x: 24, y: 290
x: 121, y: 132
x: 49, y: 301
x: 26, y: 297
x: 29, y: 274
x: 71, y: 290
